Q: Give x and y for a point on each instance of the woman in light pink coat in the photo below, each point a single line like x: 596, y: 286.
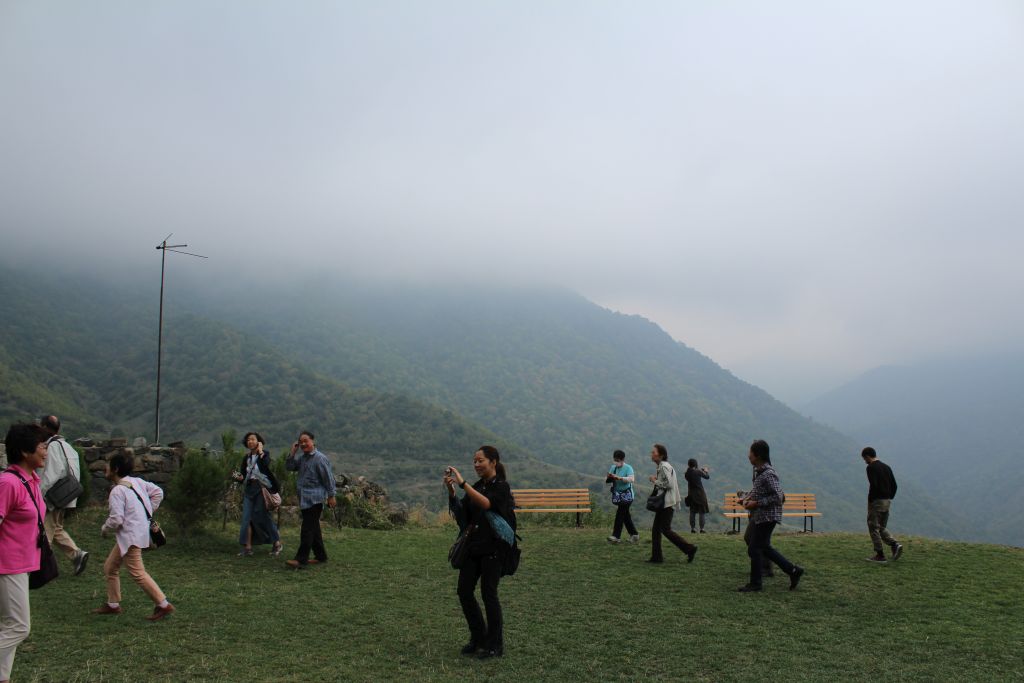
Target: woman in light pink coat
x: 130, y: 500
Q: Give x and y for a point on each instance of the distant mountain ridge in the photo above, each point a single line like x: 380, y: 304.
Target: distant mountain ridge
x: 953, y: 425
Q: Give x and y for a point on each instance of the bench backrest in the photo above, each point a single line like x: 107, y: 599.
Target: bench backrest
x: 552, y: 500
x: 795, y: 502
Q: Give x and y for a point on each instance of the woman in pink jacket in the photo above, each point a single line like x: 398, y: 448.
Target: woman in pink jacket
x: 21, y: 510
x: 130, y: 500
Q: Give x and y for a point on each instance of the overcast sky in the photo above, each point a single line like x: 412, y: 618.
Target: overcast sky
x: 800, y: 190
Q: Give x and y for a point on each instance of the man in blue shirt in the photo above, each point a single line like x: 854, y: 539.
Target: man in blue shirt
x: 315, y: 485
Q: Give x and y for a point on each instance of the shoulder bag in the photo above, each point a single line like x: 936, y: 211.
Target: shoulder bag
x: 272, y: 500
x: 47, y: 571
x: 65, y: 490
x: 157, y: 537
x: 656, y: 501
x: 460, y: 549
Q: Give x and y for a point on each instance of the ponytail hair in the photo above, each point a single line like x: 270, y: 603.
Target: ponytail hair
x: 491, y: 453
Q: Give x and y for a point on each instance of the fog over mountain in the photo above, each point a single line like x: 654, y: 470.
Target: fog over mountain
x: 802, y: 191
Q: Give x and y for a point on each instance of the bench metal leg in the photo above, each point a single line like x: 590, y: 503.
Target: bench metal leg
x: 579, y: 520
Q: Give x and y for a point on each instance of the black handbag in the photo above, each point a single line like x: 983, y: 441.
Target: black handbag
x: 48, y: 570
x: 656, y: 501
x: 156, y: 535
x: 459, y: 551
x: 65, y: 490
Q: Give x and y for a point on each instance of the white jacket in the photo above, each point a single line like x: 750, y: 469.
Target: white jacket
x: 127, y: 516
x: 56, y: 467
x: 666, y: 481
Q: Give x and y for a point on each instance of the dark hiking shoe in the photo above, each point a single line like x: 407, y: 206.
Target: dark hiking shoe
x: 654, y: 561
x: 750, y: 588
x: 877, y: 558
x: 794, y: 577
x: 897, y: 550
x: 690, y: 555
x: 493, y: 652
x: 469, y: 648
x: 80, y: 559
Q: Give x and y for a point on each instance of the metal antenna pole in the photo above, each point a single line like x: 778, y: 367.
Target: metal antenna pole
x: 163, y: 247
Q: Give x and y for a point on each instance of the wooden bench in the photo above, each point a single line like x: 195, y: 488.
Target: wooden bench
x: 796, y: 505
x: 553, y: 500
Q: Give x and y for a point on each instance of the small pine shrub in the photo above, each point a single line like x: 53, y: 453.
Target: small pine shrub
x: 195, y: 491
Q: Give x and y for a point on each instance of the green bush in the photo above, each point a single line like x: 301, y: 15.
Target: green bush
x: 358, y: 512
x: 196, y: 490
x: 285, y: 480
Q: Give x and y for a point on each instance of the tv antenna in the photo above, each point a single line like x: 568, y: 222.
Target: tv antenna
x: 163, y: 247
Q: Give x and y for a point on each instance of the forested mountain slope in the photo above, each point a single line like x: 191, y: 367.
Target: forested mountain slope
x: 954, y: 425
x: 85, y: 355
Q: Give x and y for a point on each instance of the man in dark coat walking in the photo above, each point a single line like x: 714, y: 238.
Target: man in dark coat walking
x: 881, y: 491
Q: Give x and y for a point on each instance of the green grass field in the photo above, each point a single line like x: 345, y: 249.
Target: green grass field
x: 384, y: 608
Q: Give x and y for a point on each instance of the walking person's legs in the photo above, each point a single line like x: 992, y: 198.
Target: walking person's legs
x: 619, y: 520
x: 319, y: 551
x: 666, y: 529
x: 469, y: 574
x: 15, y: 619
x: 306, y: 534
x: 693, y: 520
x: 656, y: 555
x: 53, y: 522
x: 490, y: 574
x: 137, y: 570
x: 245, y: 530
x: 112, y: 575
x: 627, y: 519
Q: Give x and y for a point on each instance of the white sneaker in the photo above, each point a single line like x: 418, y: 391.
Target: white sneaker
x: 612, y: 539
x: 634, y: 539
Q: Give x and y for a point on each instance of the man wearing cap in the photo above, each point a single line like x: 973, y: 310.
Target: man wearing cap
x: 61, y: 460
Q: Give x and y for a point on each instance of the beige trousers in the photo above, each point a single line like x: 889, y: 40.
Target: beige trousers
x: 55, y: 534
x: 15, y: 619
x: 133, y: 560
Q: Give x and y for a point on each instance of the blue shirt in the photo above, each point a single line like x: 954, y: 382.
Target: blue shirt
x: 624, y: 471
x: 315, y: 482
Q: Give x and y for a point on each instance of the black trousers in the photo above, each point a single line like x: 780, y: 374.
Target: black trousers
x: 622, y: 517
x: 663, y: 525
x: 486, y: 570
x: 310, y: 537
x: 761, y: 551
x: 766, y: 565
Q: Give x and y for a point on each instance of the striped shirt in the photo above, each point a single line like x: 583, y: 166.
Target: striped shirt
x: 315, y: 482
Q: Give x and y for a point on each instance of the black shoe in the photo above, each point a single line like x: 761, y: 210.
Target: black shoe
x: 794, y: 577
x: 750, y: 588
x: 690, y: 555
x: 702, y: 531
x: 897, y: 550
x: 654, y: 561
x: 692, y: 530
x: 82, y: 557
x: 493, y: 652
x: 469, y: 648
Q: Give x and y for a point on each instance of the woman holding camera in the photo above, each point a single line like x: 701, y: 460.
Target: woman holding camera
x: 255, y: 475
x: 490, y: 494
x: 21, y: 510
x: 696, y: 497
x: 665, y: 480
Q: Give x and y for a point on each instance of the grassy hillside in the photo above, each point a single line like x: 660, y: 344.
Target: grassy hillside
x: 952, y: 425
x: 384, y: 608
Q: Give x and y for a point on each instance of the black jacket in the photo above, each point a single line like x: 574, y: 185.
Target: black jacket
x: 263, y: 464
x: 881, y: 482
